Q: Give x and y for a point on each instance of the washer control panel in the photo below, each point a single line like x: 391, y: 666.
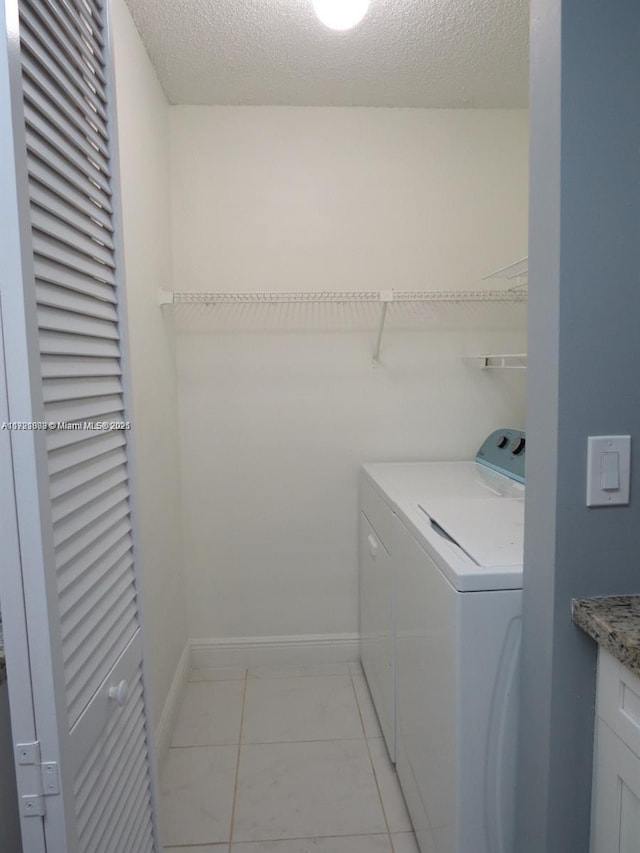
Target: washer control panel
x: 504, y: 451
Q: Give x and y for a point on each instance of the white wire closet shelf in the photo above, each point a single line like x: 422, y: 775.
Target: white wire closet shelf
x: 383, y: 297
x: 177, y: 297
x: 517, y: 272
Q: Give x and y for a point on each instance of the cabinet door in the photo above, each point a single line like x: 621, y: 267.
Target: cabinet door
x: 376, y: 627
x: 616, y: 795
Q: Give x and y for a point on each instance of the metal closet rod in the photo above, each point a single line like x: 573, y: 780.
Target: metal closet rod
x: 338, y: 297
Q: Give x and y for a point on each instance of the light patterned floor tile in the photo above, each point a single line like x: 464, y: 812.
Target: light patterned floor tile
x: 210, y: 714
x: 306, y: 790
x: 197, y: 795
x: 390, y: 791
x: 343, y: 844
x: 405, y: 842
x: 296, y: 709
x: 369, y: 716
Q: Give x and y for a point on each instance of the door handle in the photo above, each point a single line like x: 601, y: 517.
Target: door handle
x: 119, y: 693
x: 373, y: 545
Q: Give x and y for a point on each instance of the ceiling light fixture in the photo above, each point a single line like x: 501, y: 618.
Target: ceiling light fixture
x: 341, y: 14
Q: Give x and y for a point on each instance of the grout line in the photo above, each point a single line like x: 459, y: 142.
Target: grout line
x: 373, y: 769
x: 313, y: 837
x: 235, y: 783
x: 205, y: 746
x: 257, y: 676
x: 276, y: 742
x: 355, y: 693
x: 300, y: 740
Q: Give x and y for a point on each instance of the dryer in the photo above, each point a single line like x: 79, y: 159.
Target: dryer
x: 455, y: 552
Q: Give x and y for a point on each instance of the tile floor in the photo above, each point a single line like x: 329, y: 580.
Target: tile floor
x: 281, y: 760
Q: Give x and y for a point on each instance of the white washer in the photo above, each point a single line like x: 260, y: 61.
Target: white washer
x: 457, y: 545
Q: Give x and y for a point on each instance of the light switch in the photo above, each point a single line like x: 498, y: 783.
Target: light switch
x: 608, y: 470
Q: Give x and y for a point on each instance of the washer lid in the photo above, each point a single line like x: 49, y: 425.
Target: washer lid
x: 490, y: 532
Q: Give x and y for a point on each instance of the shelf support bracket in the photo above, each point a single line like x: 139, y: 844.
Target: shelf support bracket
x: 386, y: 296
x: 165, y: 297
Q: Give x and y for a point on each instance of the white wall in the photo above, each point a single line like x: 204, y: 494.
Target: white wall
x: 144, y: 157
x: 279, y: 406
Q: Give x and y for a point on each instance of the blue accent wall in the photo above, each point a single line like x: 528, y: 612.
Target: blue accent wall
x: 584, y: 345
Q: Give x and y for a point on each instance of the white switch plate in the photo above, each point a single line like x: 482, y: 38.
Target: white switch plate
x: 598, y: 446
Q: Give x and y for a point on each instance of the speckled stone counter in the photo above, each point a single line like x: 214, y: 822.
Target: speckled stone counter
x: 3, y: 668
x: 614, y: 623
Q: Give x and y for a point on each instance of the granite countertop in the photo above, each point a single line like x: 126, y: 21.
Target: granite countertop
x: 3, y: 668
x: 614, y: 623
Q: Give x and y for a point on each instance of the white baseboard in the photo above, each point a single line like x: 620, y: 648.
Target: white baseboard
x: 167, y: 721
x: 260, y: 651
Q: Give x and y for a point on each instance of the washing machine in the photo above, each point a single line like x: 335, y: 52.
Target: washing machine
x: 455, y: 534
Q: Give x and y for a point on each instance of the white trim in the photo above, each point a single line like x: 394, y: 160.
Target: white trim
x: 167, y: 721
x: 259, y: 651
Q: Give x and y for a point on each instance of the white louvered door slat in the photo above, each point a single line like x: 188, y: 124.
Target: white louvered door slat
x: 90, y: 512
x: 69, y: 299
x: 59, y: 230
x: 48, y: 92
x: 61, y: 126
x: 94, y: 579
x: 75, y: 388
x: 61, y: 366
x: 43, y: 173
x: 57, y: 342
x: 60, y: 14
x: 66, y: 505
x: 64, y: 167
x: 52, y: 202
x: 76, y: 411
x: 44, y: 53
x: 68, y: 575
x: 72, y: 480
x: 57, y: 439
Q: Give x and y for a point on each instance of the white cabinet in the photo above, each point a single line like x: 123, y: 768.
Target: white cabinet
x: 615, y: 823
x: 377, y: 609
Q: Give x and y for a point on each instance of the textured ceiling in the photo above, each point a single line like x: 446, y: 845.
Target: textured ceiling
x: 405, y: 53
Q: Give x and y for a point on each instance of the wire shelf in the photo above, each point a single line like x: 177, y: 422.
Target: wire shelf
x: 510, y: 361
x: 384, y: 298
x: 337, y: 297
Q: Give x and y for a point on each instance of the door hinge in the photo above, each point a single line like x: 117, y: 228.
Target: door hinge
x: 33, y: 805
x: 50, y: 778
x: 46, y: 781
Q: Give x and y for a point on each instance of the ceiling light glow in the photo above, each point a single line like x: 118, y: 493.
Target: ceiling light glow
x: 341, y: 14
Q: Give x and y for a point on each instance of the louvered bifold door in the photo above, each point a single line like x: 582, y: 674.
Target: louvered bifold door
x: 84, y: 441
